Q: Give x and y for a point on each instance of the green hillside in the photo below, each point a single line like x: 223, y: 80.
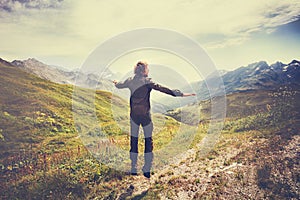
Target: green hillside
x: 37, y: 113
x: 247, y: 103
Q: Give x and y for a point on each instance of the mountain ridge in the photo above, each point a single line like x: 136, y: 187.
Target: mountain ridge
x: 34, y: 66
x: 255, y: 76
x: 61, y: 75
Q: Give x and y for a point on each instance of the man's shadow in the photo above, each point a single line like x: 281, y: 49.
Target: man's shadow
x: 129, y: 192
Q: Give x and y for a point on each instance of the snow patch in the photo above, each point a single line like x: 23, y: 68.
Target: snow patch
x: 295, y: 64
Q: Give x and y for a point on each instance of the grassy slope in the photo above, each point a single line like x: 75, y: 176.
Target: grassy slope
x: 239, y: 105
x: 36, y: 112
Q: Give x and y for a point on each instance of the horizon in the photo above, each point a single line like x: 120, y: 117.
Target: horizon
x: 64, y: 33
x: 157, y: 73
x: 219, y: 69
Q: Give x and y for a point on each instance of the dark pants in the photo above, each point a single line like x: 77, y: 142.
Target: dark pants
x: 135, y: 122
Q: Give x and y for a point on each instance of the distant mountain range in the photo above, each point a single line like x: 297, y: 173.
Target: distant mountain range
x: 255, y: 76
x: 260, y: 75
x: 62, y: 75
x: 74, y: 77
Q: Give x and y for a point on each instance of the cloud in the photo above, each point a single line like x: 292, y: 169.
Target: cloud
x: 17, y: 5
x: 226, y: 42
x: 33, y: 19
x: 37, y: 29
x: 234, y: 18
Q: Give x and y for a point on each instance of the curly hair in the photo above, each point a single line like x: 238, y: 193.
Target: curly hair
x: 140, y: 68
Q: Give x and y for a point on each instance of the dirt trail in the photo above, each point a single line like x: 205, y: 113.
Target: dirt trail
x: 184, y: 169
x: 228, y: 172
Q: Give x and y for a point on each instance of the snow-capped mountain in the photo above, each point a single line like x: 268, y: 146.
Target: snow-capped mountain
x: 262, y: 76
x: 255, y: 76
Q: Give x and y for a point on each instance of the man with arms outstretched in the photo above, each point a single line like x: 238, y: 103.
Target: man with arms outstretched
x: 140, y: 87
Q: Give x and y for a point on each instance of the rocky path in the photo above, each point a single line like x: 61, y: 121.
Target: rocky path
x: 229, y: 171
x: 189, y: 173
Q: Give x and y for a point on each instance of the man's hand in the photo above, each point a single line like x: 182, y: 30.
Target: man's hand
x: 188, y: 94
x: 115, y: 82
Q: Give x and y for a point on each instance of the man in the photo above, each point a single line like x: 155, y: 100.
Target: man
x: 140, y: 87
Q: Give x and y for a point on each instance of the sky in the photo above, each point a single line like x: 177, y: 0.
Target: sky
x: 233, y: 33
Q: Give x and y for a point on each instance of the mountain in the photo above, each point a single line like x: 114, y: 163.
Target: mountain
x: 62, y: 75
x: 255, y: 76
x: 216, y: 73
x: 262, y: 76
x: 4, y: 62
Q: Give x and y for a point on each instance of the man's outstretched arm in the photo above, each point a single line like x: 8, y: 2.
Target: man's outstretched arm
x: 188, y: 94
x: 121, y: 84
x: 175, y: 93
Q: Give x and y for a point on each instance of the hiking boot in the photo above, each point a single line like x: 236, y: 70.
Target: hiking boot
x: 133, y: 171
x: 147, y: 174
x: 133, y: 174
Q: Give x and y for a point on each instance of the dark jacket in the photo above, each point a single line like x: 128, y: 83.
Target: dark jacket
x: 140, y: 88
